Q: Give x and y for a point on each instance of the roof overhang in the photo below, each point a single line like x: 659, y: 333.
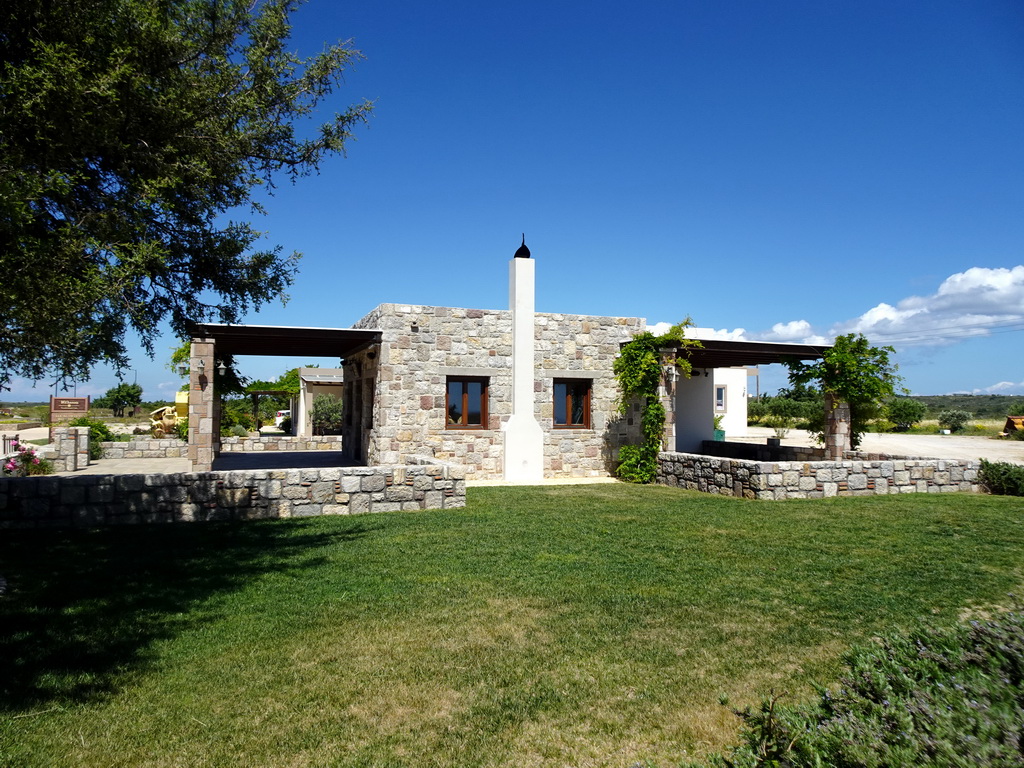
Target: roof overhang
x: 287, y: 341
x: 722, y: 353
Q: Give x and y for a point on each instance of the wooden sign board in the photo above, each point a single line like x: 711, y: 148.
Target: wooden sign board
x: 67, y: 408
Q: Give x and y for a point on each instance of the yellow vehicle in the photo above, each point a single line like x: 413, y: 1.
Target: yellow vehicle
x: 164, y: 421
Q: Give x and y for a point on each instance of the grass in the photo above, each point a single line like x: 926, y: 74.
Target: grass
x: 581, y: 625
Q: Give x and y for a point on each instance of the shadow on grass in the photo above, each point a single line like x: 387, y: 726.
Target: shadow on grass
x: 81, y: 608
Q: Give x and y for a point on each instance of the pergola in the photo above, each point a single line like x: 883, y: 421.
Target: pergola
x: 213, y: 341
x: 689, y: 420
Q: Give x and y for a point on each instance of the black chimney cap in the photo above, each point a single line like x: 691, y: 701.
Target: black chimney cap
x: 523, y: 252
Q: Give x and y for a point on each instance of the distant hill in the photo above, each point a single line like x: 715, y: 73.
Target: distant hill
x: 980, y: 406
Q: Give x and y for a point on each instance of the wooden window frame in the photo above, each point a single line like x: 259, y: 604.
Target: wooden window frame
x: 589, y: 384
x: 485, y: 382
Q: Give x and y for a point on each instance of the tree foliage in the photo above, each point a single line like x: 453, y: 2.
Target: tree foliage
x: 130, y: 132
x: 854, y: 372
x: 326, y: 414
x: 118, y: 398
x: 904, y: 412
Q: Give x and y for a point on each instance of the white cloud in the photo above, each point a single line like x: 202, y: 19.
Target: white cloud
x: 969, y: 304
x: 739, y: 334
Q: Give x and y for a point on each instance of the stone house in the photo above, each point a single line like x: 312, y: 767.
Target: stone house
x: 440, y: 383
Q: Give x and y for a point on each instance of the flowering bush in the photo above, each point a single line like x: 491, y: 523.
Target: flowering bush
x: 26, y: 462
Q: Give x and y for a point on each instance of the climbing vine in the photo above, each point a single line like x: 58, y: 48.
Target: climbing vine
x: 638, y: 370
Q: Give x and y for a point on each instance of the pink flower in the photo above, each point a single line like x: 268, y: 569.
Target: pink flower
x: 35, y: 459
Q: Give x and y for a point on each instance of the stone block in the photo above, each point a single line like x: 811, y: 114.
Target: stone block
x: 321, y: 492
x: 373, y: 483
x: 858, y: 482
x: 295, y: 492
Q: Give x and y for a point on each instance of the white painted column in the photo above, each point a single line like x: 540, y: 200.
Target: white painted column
x: 695, y: 411
x: 523, y: 453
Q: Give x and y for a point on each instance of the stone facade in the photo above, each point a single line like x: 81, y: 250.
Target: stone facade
x: 853, y: 476
x: 279, y: 443
x: 91, y: 500
x: 397, y: 390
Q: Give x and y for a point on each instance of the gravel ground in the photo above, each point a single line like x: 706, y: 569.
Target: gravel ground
x: 926, y: 446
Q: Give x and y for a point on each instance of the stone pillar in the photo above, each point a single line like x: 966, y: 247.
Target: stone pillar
x: 667, y: 395
x: 72, y: 448
x: 202, y: 440
x: 837, y: 427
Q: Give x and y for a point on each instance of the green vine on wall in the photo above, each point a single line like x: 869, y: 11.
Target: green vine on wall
x: 639, y: 370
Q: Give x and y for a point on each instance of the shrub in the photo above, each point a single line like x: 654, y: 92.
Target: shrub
x: 954, y: 419
x: 938, y: 697
x: 181, y: 429
x: 26, y: 461
x: 286, y: 425
x: 904, y: 412
x: 238, y: 431
x: 98, y: 433
x: 1002, y: 478
x: 326, y: 414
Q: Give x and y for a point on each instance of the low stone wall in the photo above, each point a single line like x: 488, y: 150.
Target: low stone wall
x: 145, y: 448
x: 83, y: 501
x: 816, y: 479
x: 280, y: 443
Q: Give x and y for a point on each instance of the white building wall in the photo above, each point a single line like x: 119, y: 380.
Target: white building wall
x: 731, y: 402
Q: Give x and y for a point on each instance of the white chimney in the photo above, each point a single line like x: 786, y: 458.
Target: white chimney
x: 523, y: 437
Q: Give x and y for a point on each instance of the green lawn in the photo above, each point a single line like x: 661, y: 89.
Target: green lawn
x: 581, y: 625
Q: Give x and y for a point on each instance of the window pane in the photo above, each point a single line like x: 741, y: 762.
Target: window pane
x: 454, y: 402
x: 474, y: 409
x: 579, y: 403
x: 560, y: 404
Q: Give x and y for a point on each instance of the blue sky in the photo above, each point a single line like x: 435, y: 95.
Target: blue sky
x: 775, y: 170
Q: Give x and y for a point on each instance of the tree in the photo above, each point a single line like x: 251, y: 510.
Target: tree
x: 954, y: 419
x: 130, y: 132
x: 904, y: 412
x: 326, y: 414
x: 852, y: 372
x: 118, y: 398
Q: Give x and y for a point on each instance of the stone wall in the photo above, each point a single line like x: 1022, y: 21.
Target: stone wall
x: 421, y: 346
x: 92, y: 500
x: 816, y: 479
x: 145, y: 448
x: 279, y: 443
